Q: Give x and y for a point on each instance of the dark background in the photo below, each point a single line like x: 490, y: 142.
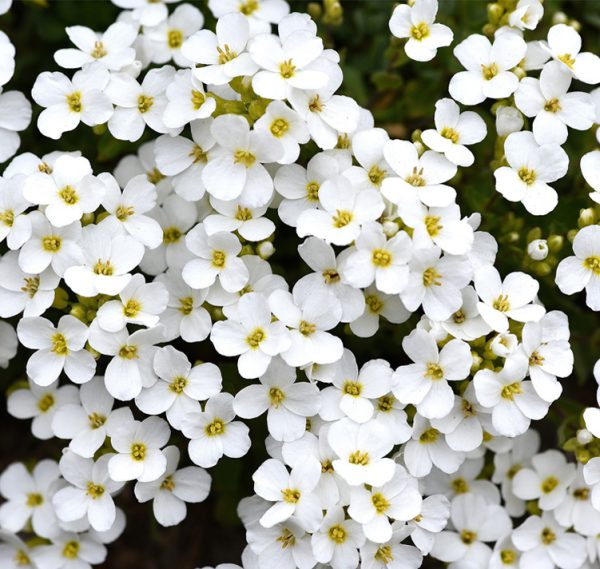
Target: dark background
x: 401, y: 94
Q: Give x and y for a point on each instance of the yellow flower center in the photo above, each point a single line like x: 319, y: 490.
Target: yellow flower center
x: 315, y: 105
x: 429, y: 436
x: 128, y: 352
x: 291, y: 496
x: 21, y: 558
x: 450, y: 134
x: 386, y: 403
x: 98, y: 52
x: 527, y: 176
x: 7, y: 217
x: 306, y: 328
x: 243, y: 214
x: 279, y: 127
x: 175, y: 38
x: 552, y: 105
x: 468, y: 537
x: 331, y: 276
x: 124, y: 212
x: 459, y: 316
x: 337, y: 534
x: 381, y: 258
x: 287, y: 539
x: 352, y: 388
x: 384, y: 554
x: 216, y: 428
x: 358, y: 457
x: 374, y: 303
x: 415, y: 178
x: 460, y: 486
x: 167, y: 484
x: 244, y: 157
x: 154, y: 176
x: 59, y: 344
x: 198, y: 99
x: 218, y: 259
x: 96, y: 420
x: 548, y: 536
x: 199, y: 155
x: 103, y: 268
x: 31, y: 286
x: 46, y: 402
x: 138, y: 451
x: 582, y: 494
x: 171, y: 235
x: 379, y: 502
x: 509, y: 391
x: 248, y: 7
x: 186, y: 305
x: 132, y: 308
x: 51, y: 243
x: 592, y: 264
x: 431, y: 277
x: 342, y: 218
x: 376, y: 175
x: 501, y: 303
x: 419, y: 31
x: 535, y: 359
x: 287, y: 69
x: 434, y: 372
x: 312, y: 192
x: 178, y: 384
x: 225, y: 54
x: 71, y: 550
x: 489, y: 71
x: 567, y: 59
x: 508, y: 556
x: 433, y: 225
x: 549, y: 484
x: 34, y: 500
x: 74, y: 102
x: 255, y: 338
x: 144, y: 103
x: 95, y: 491
x: 276, y: 396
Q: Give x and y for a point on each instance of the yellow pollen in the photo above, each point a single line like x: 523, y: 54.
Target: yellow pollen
x: 384, y: 554
x: 74, y: 102
x: 51, y: 243
x: 68, y: 195
x: 255, y: 338
x: 244, y: 157
x: 218, y: 259
x: 459, y: 316
x: 512, y: 471
x: 198, y: 99
x: 103, y: 268
x: 315, y: 105
x: 71, y: 550
x: 358, y: 457
x: 287, y: 539
x: 419, y: 31
x: 138, y: 451
x: 7, y: 217
x: 434, y: 372
x: 167, y: 484
x: 450, y: 134
x: 509, y: 391
x: 374, y: 303
x: 243, y: 214
x: 178, y: 384
x: 132, y: 308
x: 386, y: 403
x: 508, y: 556
x: 376, y: 175
x: 31, y: 286
x: 45, y: 168
x: 95, y: 491
x: 535, y: 359
x: 21, y: 558
x: 225, y: 54
x: 489, y: 71
x: 171, y: 235
x: 249, y: 7
x: 581, y: 494
x: 381, y: 258
x: 467, y: 409
x: 216, y: 428
x: 431, y: 277
x: 96, y: 420
x: 46, y: 402
x: 198, y: 155
x: 460, y: 486
x: 175, y: 38
x: 186, y: 305
x: 433, y: 225
x: 98, y: 52
x: 34, y: 500
x: 468, y: 537
x: 549, y: 484
x: 128, y: 352
x: 312, y: 192
x: 337, y: 534
x: 327, y: 467
x: 287, y: 69
x: 379, y: 502
x: 527, y: 176
x: 429, y: 436
x: 331, y: 276
x: 352, y: 388
x: 124, y: 212
x: 279, y: 127
x: 552, y: 105
x: 416, y: 178
x: 59, y: 344
x: 567, y: 59
x: 306, y: 328
x: 144, y: 103
x: 154, y: 176
x: 276, y: 396
x: 592, y: 264
x: 501, y: 303
x: 291, y: 496
x: 548, y: 536
x: 342, y: 218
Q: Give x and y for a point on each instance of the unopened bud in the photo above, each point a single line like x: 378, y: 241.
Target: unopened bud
x: 584, y: 437
x: 560, y: 18
x: 555, y: 243
x: 538, y: 249
x: 265, y: 249
x: 390, y: 228
x: 586, y: 217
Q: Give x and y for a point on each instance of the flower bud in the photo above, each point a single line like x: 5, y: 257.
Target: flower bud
x: 503, y: 344
x: 494, y: 12
x: 508, y: 120
x: 538, y: 249
x: 555, y: 243
x: 584, y: 437
x: 390, y: 228
x: 560, y: 18
x: 265, y: 249
x: 586, y: 217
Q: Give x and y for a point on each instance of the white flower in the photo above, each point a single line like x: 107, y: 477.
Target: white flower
x: 487, y: 67
x: 427, y: 448
x: 590, y: 169
x: 138, y: 446
x: 285, y: 63
x: 553, y: 107
x: 69, y: 102
x: 583, y: 269
x: 146, y: 12
x: 58, y: 348
x: 222, y: 55
x: 526, y: 15
x: 173, y: 489
x: 425, y: 382
x: 475, y: 521
x: 398, y: 499
x: 433, y: 518
x: 546, y: 345
x: 466, y: 323
x: 24, y: 292
x: 286, y: 126
x: 454, y: 131
x: 538, y: 249
x: 544, y: 543
x: 213, y: 432
x: 252, y: 336
x: 108, y: 260
x: 166, y: 39
x: 377, y: 259
x: 89, y: 493
x: 512, y: 400
x: 576, y: 508
x: 564, y: 45
x: 308, y: 320
x: 41, y: 404
x: 235, y: 215
x: 288, y: 403
x: 378, y: 304
x: 15, y: 116
x: 508, y: 119
x: 392, y: 553
x: 337, y: 540
x: 15, y: 227
x: 236, y: 165
x: 435, y: 282
x: 421, y: 175
x: 512, y: 298
x: 187, y: 101
x: 138, y: 105
x: 29, y: 497
x: 68, y: 192
x: 128, y: 208
x: 417, y: 23
x: 361, y: 450
x: 113, y: 48
x: 131, y: 366
x: 292, y: 492
x: 346, y: 207
x: 179, y: 387
x: 9, y: 344
x: 7, y: 56
x: 258, y: 13
x: 87, y: 421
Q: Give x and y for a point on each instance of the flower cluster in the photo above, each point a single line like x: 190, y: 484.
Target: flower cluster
x: 369, y: 463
